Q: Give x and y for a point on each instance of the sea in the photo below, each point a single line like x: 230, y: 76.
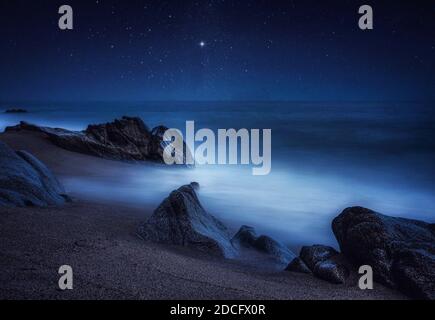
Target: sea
x: 326, y: 156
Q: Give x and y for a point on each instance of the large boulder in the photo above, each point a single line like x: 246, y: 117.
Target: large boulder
x: 325, y: 263
x: 400, y: 251
x: 125, y: 139
x: 26, y: 181
x: 181, y: 220
x: 246, y: 237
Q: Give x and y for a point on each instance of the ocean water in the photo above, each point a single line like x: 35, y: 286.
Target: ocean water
x: 325, y: 157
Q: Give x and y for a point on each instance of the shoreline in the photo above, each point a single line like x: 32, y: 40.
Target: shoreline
x: 111, y: 262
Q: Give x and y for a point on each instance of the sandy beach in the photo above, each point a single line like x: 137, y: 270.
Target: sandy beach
x: 109, y: 259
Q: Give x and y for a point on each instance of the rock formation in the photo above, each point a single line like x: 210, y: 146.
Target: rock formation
x: 181, y: 220
x: 124, y: 139
x: 400, y: 251
x: 26, y: 181
x: 16, y: 110
x: 246, y: 237
x: 325, y: 263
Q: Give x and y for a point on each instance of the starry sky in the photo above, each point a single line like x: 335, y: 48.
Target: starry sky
x: 296, y: 50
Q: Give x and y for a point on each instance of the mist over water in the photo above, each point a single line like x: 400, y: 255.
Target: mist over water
x: 325, y: 157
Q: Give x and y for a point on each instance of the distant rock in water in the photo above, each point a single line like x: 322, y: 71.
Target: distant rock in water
x: 246, y: 237
x: 16, y: 110
x: 181, y: 220
x: 325, y: 263
x: 400, y: 251
x: 26, y: 181
x: 124, y: 139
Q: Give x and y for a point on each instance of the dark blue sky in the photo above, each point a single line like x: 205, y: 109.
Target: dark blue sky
x: 253, y: 50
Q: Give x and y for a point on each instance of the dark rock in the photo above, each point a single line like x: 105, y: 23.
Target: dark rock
x: 325, y: 262
x: 316, y: 253
x: 246, y: 237
x: 26, y: 181
x: 124, y: 139
x: 181, y: 220
x: 16, y: 110
x: 331, y: 271
x: 297, y: 265
x: 400, y: 251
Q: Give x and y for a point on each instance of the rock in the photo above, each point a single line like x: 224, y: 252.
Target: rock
x: 195, y: 185
x: 124, y: 139
x: 127, y: 138
x: 158, y: 145
x: 16, y: 110
x: 400, y: 251
x: 26, y: 181
x: 181, y: 220
x: 316, y: 253
x: 325, y: 263
x: 246, y: 237
x: 297, y: 265
x: 331, y: 271
x: 274, y: 248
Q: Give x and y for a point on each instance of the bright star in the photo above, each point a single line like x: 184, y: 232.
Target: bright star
x: 202, y: 44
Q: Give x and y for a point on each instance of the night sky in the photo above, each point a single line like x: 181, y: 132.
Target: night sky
x: 217, y: 50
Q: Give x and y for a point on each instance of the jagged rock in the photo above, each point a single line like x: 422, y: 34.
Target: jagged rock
x: 247, y: 238
x: 274, y: 248
x: 26, y: 181
x: 400, y: 251
x: 297, y: 265
x: 325, y: 262
x: 181, y: 220
x: 125, y: 139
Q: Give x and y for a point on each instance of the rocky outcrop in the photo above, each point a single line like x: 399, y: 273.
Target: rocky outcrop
x: 26, y: 181
x: 400, y: 251
x: 124, y: 139
x: 181, y: 220
x: 246, y: 237
x: 324, y: 262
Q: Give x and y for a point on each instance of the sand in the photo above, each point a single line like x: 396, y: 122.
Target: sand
x: 110, y: 261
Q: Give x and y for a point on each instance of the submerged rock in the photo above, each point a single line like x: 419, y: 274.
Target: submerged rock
x: 400, y: 251
x: 246, y: 237
x: 26, y: 181
x: 124, y: 139
x: 181, y: 220
x: 325, y: 263
x: 16, y: 110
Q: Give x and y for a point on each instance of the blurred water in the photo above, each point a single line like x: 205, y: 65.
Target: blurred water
x: 325, y: 157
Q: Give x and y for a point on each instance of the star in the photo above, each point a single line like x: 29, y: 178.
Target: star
x: 202, y: 44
